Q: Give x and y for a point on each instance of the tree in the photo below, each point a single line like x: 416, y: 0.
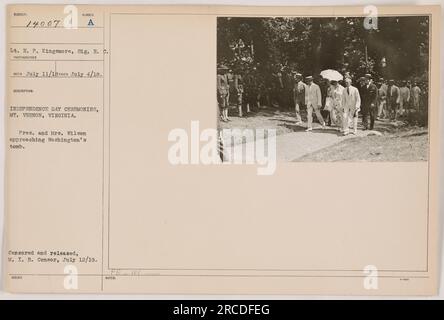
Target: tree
x: 309, y: 45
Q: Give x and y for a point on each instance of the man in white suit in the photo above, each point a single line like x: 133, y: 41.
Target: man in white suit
x: 351, y: 103
x: 313, y: 101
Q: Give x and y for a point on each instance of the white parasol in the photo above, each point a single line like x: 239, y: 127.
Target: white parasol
x: 331, y: 75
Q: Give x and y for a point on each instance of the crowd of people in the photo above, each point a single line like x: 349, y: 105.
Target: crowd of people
x: 335, y: 102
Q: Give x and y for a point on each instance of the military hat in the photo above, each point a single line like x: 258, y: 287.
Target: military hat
x: 222, y: 67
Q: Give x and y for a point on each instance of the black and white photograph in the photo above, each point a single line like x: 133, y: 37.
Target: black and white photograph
x: 331, y: 88
x: 206, y: 152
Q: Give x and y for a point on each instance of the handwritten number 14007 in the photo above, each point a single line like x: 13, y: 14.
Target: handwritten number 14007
x: 43, y: 24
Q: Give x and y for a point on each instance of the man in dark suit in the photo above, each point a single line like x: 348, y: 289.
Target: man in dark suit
x: 288, y: 82
x: 360, y: 84
x: 368, y: 106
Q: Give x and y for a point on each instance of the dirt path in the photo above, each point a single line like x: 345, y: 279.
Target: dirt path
x: 294, y: 145
x: 292, y: 142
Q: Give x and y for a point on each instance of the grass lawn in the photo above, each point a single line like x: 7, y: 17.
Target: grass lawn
x: 402, y: 144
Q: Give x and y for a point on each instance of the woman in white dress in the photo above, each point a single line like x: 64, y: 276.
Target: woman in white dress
x: 335, y: 94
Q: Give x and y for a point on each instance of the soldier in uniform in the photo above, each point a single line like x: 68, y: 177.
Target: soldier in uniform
x: 298, y: 96
x: 392, y: 99
x: 251, y: 90
x: 382, y: 99
x: 416, y: 96
x: 279, y: 89
x: 288, y: 82
x: 223, y: 92
x: 404, y: 97
x: 236, y: 91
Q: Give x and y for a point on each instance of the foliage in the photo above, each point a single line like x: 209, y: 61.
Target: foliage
x: 309, y: 45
